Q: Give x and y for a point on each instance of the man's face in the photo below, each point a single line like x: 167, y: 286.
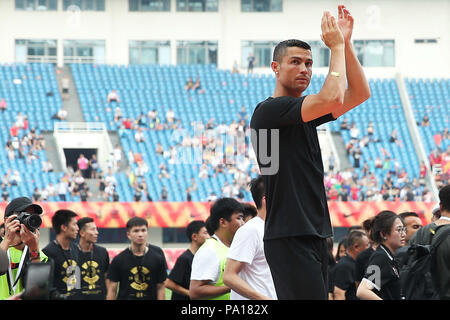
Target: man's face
x: 413, y: 224
x: 89, y: 232
x: 201, y: 236
x: 236, y: 221
x: 295, y: 69
x: 138, y: 234
x: 71, y: 231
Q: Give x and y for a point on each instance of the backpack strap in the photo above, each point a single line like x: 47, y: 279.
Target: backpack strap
x: 438, y: 238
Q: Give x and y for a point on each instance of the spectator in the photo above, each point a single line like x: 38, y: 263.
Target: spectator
x: 65, y: 85
x: 83, y: 165
x: 164, y: 194
x: 138, y: 272
x: 60, y: 115
x: 425, y: 121
x: 139, y: 136
x: 251, y: 63
x: 3, y: 105
x: 208, y: 265
x: 113, y: 97
x: 189, y: 85
x: 180, y: 276
x: 198, y: 87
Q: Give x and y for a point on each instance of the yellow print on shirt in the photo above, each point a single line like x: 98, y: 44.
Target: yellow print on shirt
x: 89, y: 272
x: 139, y: 279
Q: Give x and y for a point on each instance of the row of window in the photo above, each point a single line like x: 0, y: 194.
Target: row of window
x: 149, y: 5
x: 371, y: 53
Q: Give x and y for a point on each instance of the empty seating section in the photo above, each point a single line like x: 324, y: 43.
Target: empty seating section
x: 29, y: 90
x: 431, y: 97
x: 384, y: 110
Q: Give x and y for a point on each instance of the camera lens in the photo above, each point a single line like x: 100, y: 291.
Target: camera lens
x: 33, y: 221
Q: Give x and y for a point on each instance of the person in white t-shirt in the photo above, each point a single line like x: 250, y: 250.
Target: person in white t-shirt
x: 226, y: 216
x: 247, y: 272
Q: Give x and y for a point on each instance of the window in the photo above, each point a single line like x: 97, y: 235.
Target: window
x: 320, y: 53
x: 375, y: 53
x: 84, y: 51
x: 261, y: 5
x: 197, y: 5
x: 149, y: 5
x: 197, y: 52
x: 37, y: 5
x: 261, y: 50
x: 85, y: 5
x: 149, y: 52
x: 425, y: 41
x: 36, y: 50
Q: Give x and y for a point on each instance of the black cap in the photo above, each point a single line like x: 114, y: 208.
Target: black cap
x: 20, y: 204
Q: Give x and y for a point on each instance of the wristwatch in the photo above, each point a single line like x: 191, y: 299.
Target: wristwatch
x: 34, y: 255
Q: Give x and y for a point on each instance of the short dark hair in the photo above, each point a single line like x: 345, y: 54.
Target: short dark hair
x: 194, y: 227
x: 222, y: 208
x: 257, y: 190
x: 382, y: 224
x: 249, y: 210
x: 62, y: 217
x: 136, y: 222
x: 444, y: 197
x: 405, y: 214
x: 354, y: 237
x: 83, y: 221
x: 280, y: 49
x: 367, y: 224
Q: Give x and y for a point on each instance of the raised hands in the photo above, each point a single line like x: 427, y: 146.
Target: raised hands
x: 345, y: 22
x: 331, y: 33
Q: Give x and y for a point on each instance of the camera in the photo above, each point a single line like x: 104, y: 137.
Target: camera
x: 39, y: 284
x: 31, y: 221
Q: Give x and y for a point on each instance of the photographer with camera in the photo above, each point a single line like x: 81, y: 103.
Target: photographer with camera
x: 21, y: 243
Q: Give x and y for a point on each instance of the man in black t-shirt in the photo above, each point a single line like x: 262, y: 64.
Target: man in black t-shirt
x: 64, y: 253
x: 93, y: 261
x: 284, y: 127
x: 180, y: 277
x: 139, y: 271
x: 344, y: 271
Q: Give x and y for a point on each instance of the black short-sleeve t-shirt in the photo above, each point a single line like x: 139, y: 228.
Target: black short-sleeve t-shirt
x: 93, y: 267
x: 344, y: 277
x: 362, y: 260
x: 181, y: 273
x: 290, y: 160
x: 138, y: 276
x: 383, y: 273
x: 66, y: 269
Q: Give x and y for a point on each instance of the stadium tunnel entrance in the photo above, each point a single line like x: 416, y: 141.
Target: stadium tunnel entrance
x: 72, y: 156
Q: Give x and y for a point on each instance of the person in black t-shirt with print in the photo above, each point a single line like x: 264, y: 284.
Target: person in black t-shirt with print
x: 180, y: 277
x: 284, y: 127
x: 93, y: 261
x: 382, y: 278
x: 344, y: 271
x: 139, y: 272
x: 64, y: 253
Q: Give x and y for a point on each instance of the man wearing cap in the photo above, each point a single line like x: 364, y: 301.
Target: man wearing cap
x: 21, y: 246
